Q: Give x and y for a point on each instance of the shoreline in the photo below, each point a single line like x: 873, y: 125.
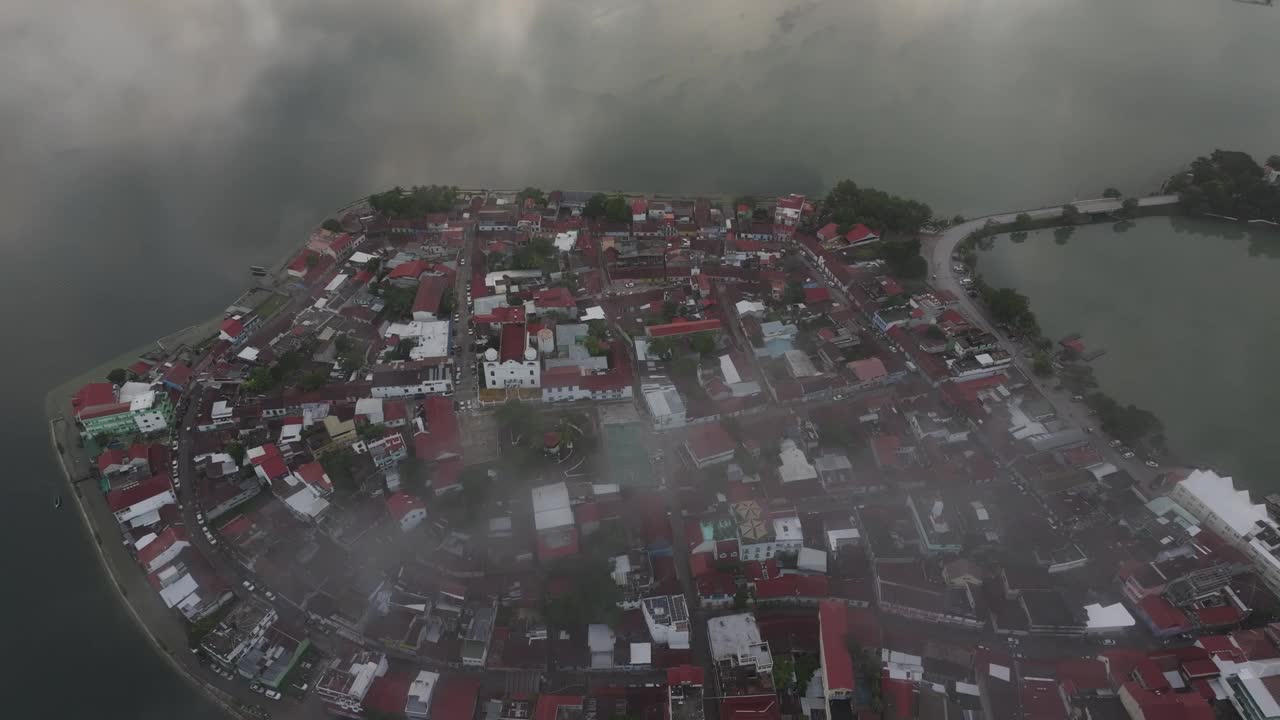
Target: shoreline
x: 56, y: 403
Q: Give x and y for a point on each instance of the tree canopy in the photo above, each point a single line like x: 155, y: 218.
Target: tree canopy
x: 903, y: 258
x: 846, y: 204
x: 414, y: 202
x: 1228, y: 183
x: 1127, y: 423
x: 1111, y: 193
x: 613, y: 208
x: 538, y: 197
x: 332, y: 225
x: 117, y: 376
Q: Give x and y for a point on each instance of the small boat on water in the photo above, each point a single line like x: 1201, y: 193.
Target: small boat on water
x: 57, y: 502
x: 257, y: 270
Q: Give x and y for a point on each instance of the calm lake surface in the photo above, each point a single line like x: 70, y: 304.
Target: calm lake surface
x: 153, y: 151
x: 1185, y: 310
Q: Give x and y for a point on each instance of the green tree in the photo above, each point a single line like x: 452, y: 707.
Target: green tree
x: 806, y: 666
x: 1111, y: 193
x: 236, y: 451
x: 784, y: 670
x: 102, y: 439
x: 447, y: 303
x: 313, y: 260
x: 313, y: 380
x: 415, y: 202
x: 660, y: 347
x: 496, y: 260
x: 538, y: 197
x: 117, y: 376
x: 1042, y: 365
x: 793, y: 293
x: 740, y: 600
x: 1070, y: 213
x: 1062, y: 234
x: 1129, y: 206
x: 957, y: 220
x: 332, y: 225
x: 903, y: 259
x: 259, y: 380
x: 846, y: 204
x: 403, y: 349
x: 617, y: 209
x: 1021, y: 220
x: 339, y: 464
x: 521, y: 421
x: 398, y: 302
x: 1273, y: 162
x: 370, y: 432
x: 703, y: 343
x: 594, y: 598
x: 1007, y: 305
x: 596, y: 207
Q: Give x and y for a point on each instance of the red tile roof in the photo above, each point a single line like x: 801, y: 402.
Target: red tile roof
x: 1079, y: 675
x: 411, y: 269
x: 140, y: 368
x: 514, y: 343
x: 833, y: 621
x: 447, y: 474
x: 387, y: 694
x: 715, y: 583
x: 299, y: 262
x: 401, y: 504
x: 708, y: 440
x: 1219, y: 616
x: 805, y: 586
x: 685, y: 675
x: 548, y: 706
x: 455, y: 698
x: 750, y: 707
x: 682, y: 327
x: 442, y: 438
x: 860, y: 233
x: 1149, y: 675
x: 758, y: 570
x: 1040, y: 699
x: 232, y: 327
x: 1199, y: 668
x: 430, y: 293
x: 1163, y: 615
x: 502, y: 315
x: 120, y: 498
x: 103, y: 393
x: 163, y: 542
x: 639, y: 206
x: 313, y: 474
x: 97, y: 411
x: 816, y: 295
x: 557, y: 297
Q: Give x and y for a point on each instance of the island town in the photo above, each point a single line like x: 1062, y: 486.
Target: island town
x: 562, y: 455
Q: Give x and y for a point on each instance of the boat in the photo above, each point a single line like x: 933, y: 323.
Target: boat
x: 57, y: 502
x: 257, y: 270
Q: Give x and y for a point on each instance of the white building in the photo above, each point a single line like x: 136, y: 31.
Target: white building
x: 667, y: 617
x: 344, y: 685
x: 511, y: 369
x: 417, y: 706
x: 793, y: 465
x: 1230, y: 513
x: 431, y: 337
x: 736, y: 638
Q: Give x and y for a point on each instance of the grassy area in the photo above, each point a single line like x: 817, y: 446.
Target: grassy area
x: 269, y: 306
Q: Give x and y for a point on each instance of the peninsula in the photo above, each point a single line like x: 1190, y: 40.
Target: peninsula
x: 570, y: 455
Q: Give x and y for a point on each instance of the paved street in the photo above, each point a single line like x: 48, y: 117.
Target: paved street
x: 939, y: 251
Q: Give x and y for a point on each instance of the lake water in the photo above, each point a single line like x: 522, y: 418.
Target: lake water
x: 1185, y: 310
x: 153, y: 151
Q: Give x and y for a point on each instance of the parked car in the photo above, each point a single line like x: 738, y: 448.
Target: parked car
x: 248, y: 586
x: 270, y: 595
x: 1152, y: 464
x: 272, y: 694
x: 1108, y: 641
x: 1115, y: 443
x: 1077, y: 398
x: 256, y: 688
x: 200, y: 518
x: 1127, y: 454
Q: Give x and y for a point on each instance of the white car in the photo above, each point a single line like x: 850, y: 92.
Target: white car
x: 200, y: 518
x: 1152, y: 464
x: 270, y: 595
x: 1127, y: 455
x: 272, y: 694
x: 249, y: 586
x: 1115, y: 443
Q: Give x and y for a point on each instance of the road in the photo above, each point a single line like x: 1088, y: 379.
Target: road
x: 467, y: 385
x: 939, y: 251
